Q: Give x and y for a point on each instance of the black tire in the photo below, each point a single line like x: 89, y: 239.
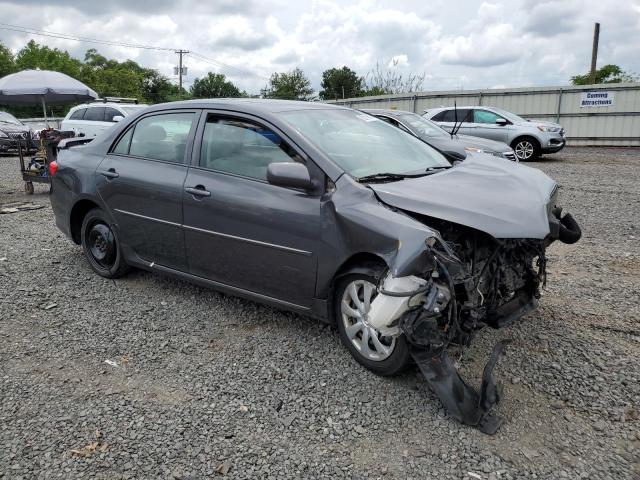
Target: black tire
x: 526, y: 148
x: 399, y: 358
x: 101, y: 246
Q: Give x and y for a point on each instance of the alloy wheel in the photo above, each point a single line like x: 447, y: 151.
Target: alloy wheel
x: 355, y: 306
x: 524, y: 150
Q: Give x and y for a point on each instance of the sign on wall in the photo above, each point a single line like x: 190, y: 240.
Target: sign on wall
x: 596, y: 99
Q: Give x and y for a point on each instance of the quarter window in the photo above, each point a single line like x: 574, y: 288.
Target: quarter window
x: 78, y: 114
x: 485, y: 116
x: 161, y: 137
x: 242, y: 148
x: 95, y: 114
x: 122, y: 147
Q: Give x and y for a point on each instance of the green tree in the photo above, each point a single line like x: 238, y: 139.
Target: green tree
x: 606, y: 74
x: 214, y: 85
x: 7, y: 63
x: 293, y: 85
x: 33, y: 56
x: 340, y: 83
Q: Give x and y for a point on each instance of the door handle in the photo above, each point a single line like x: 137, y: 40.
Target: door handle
x: 198, y: 191
x: 111, y: 173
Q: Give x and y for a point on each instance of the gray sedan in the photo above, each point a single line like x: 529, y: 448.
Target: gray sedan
x: 325, y: 211
x: 437, y: 137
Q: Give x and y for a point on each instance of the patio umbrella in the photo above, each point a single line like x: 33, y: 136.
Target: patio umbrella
x: 33, y: 87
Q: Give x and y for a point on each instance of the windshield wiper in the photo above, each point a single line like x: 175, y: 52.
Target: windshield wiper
x: 387, y: 177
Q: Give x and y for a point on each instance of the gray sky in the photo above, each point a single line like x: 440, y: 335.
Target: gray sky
x: 457, y: 44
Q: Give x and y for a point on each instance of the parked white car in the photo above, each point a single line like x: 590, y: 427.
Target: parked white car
x: 90, y: 119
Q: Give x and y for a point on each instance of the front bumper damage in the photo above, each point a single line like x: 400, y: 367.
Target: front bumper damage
x: 463, y: 284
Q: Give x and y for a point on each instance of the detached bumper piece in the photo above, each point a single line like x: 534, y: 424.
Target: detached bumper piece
x: 460, y: 400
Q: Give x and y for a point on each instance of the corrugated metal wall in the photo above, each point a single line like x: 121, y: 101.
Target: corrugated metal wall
x: 618, y: 124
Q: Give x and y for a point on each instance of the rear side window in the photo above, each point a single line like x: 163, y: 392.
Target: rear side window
x: 438, y: 117
x: 160, y: 137
x: 109, y: 113
x: 242, y: 148
x: 95, y: 114
x: 78, y: 114
x: 462, y: 115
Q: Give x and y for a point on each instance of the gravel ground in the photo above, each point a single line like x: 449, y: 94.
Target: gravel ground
x: 205, y: 385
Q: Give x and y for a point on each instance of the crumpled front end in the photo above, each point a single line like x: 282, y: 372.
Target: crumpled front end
x: 467, y: 280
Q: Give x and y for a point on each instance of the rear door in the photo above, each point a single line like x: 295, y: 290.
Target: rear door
x: 141, y: 181
x: 240, y: 230
x: 448, y: 119
x: 484, y: 125
x: 74, y: 122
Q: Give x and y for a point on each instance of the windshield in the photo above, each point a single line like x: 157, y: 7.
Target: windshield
x: 131, y: 109
x: 508, y: 115
x: 8, y: 118
x: 363, y: 145
x: 421, y: 126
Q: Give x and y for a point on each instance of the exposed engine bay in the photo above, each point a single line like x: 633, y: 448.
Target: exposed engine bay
x: 469, y: 280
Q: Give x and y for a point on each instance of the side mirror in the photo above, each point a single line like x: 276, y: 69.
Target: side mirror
x: 289, y: 174
x: 117, y: 118
x: 501, y: 121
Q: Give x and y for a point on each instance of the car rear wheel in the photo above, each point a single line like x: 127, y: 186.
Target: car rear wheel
x: 381, y: 354
x: 526, y: 148
x: 100, y: 245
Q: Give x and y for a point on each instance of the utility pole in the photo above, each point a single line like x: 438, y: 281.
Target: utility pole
x: 180, y: 53
x: 343, y: 92
x: 594, y: 53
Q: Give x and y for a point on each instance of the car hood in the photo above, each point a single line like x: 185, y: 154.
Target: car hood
x: 534, y: 122
x: 11, y: 127
x: 483, y: 143
x: 503, y: 199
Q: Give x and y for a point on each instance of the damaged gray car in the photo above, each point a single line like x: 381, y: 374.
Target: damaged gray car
x: 325, y: 211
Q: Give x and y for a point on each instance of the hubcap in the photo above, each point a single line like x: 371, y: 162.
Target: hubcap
x: 355, y: 307
x: 524, y: 150
x: 102, y: 245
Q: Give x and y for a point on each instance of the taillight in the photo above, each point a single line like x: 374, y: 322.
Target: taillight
x: 53, y: 168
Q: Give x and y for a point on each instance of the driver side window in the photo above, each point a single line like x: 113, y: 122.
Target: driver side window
x: 485, y: 116
x: 242, y: 148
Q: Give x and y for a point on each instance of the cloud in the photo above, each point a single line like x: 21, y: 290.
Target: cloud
x: 456, y: 44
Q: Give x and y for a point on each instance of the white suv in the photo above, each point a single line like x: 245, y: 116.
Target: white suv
x: 89, y: 119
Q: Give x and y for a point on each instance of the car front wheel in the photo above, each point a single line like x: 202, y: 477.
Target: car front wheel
x: 526, y: 148
x: 101, y: 247
x: 381, y: 354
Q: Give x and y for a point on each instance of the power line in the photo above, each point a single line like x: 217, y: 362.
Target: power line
x: 226, y: 66
x: 45, y: 33
x: 64, y: 36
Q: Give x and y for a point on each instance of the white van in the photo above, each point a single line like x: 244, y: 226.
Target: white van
x: 89, y: 119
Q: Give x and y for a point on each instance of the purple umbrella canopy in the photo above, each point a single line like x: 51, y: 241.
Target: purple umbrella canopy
x: 34, y: 87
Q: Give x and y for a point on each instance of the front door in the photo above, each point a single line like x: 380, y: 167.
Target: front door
x: 240, y: 230
x: 141, y: 181
x: 485, y: 126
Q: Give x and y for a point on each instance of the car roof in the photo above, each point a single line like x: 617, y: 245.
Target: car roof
x: 386, y: 111
x: 249, y: 105
x: 109, y: 104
